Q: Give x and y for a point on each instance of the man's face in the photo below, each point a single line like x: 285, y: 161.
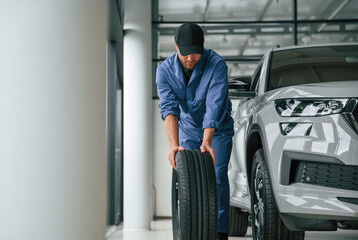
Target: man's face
x: 189, y: 61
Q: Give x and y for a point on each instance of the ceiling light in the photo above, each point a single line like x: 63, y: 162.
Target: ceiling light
x: 251, y: 39
x: 306, y: 39
x: 224, y: 40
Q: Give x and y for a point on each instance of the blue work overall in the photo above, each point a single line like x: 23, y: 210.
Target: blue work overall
x: 202, y: 103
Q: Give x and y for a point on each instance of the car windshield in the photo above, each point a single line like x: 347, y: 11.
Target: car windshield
x: 313, y: 65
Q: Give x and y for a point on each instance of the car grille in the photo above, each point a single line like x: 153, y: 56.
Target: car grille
x: 328, y: 175
x: 350, y: 114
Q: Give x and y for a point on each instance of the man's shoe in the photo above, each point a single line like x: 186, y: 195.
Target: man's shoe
x: 223, y: 236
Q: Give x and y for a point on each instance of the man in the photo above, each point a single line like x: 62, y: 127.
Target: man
x: 193, y: 92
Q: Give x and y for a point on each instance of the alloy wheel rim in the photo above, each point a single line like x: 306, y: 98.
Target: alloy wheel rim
x: 258, y: 204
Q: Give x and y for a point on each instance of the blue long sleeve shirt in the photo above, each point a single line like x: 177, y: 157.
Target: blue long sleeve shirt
x: 203, y: 102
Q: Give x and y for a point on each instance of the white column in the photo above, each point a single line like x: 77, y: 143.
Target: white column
x: 53, y: 119
x: 137, y: 114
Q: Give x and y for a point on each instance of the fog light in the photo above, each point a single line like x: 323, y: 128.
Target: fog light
x: 296, y: 129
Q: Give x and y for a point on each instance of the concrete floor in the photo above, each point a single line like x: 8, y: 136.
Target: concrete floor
x: 162, y: 230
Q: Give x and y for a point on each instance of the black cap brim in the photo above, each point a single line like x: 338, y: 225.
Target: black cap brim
x: 193, y: 49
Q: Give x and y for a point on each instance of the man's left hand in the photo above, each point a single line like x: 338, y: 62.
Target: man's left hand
x: 207, y: 148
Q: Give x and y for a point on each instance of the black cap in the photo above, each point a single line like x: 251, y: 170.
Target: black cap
x: 190, y: 39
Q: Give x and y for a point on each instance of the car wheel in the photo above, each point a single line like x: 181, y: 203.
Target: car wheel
x: 238, y: 222
x: 266, y: 223
x: 194, y: 197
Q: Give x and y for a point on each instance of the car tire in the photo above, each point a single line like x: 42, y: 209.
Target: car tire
x: 209, y: 196
x: 184, y: 202
x: 266, y: 223
x: 199, y: 194
x: 287, y: 234
x: 194, y: 197
x: 238, y: 222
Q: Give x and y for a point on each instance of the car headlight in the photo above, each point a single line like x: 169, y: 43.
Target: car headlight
x: 309, y: 107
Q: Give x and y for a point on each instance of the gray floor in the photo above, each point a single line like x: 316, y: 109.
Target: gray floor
x: 162, y: 230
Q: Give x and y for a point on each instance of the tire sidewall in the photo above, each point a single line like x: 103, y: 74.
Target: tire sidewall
x: 269, y: 223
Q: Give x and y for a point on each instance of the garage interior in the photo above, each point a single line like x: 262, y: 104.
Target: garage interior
x: 241, y: 32
x: 84, y: 150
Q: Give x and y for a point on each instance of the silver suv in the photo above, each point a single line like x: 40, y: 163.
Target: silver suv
x: 294, y: 165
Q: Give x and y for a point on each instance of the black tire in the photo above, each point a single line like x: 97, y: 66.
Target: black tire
x: 184, y: 202
x: 266, y: 223
x: 238, y: 222
x: 199, y: 195
x: 210, y: 196
x: 287, y: 234
x: 194, y: 197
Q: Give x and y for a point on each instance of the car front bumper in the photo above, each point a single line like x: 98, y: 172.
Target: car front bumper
x: 314, y: 174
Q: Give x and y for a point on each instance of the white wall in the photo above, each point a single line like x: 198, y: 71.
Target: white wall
x: 53, y: 119
x: 162, y: 170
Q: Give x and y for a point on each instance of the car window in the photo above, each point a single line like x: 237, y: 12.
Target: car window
x: 256, y: 76
x: 313, y: 65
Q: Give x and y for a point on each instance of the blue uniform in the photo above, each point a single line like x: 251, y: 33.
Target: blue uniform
x: 202, y: 103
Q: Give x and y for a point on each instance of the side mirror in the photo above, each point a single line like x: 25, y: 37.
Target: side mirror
x: 238, y: 85
x: 239, y: 88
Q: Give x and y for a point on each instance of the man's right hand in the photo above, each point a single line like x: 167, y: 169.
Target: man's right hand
x: 172, y: 153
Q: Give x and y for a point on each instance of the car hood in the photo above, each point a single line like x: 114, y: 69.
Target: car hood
x: 316, y: 90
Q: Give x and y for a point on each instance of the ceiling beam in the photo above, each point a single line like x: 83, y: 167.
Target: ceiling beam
x: 334, y: 8
x: 257, y: 30
x: 259, y: 22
